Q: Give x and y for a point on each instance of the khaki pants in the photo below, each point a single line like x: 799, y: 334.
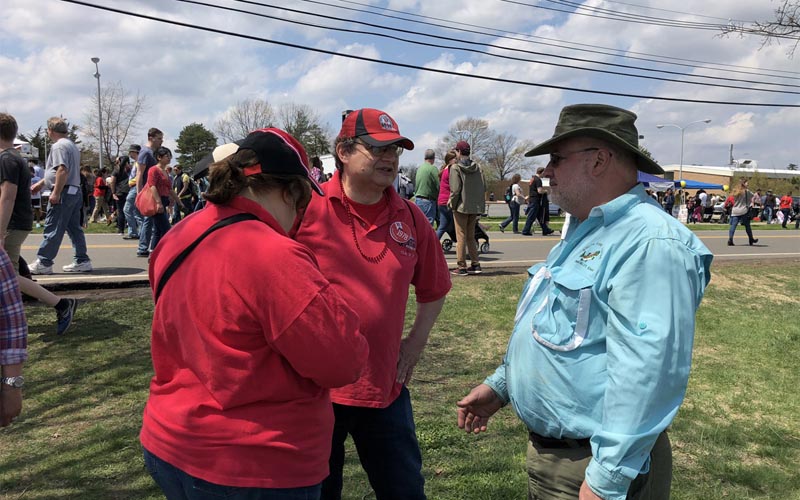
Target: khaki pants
x: 13, y: 246
x: 557, y: 473
x: 465, y: 234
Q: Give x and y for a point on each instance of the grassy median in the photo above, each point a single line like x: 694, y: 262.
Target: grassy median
x: 736, y: 437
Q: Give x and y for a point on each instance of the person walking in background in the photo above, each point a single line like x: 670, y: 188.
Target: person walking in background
x: 99, y: 193
x: 769, y: 203
x: 239, y: 404
x: 62, y: 175
x: 599, y: 358
x: 426, y: 191
x: 669, y: 200
x: 467, y: 201
x: 132, y: 215
x: 514, y: 204
x: 16, y: 220
x: 446, y: 223
x: 158, y: 182
x: 544, y: 208
x: 146, y: 160
x: 786, y: 208
x: 535, y: 191
x: 373, y: 245
x: 119, y: 188
x: 742, y: 202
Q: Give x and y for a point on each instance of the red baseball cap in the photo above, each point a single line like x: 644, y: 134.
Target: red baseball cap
x: 278, y: 153
x: 375, y: 127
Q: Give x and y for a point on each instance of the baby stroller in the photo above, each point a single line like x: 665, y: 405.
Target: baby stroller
x: 480, y: 234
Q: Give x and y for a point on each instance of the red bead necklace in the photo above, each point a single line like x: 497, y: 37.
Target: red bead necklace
x: 369, y: 258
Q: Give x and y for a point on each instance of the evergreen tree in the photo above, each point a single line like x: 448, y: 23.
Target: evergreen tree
x: 194, y: 142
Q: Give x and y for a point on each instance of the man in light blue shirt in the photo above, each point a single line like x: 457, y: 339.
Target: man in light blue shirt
x: 599, y: 359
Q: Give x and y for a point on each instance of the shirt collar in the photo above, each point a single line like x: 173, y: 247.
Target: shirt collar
x: 613, y: 210
x: 242, y: 204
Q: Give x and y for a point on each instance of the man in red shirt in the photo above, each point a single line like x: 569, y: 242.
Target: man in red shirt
x: 786, y: 208
x: 371, y: 245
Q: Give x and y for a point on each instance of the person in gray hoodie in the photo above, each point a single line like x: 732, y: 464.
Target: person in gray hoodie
x: 467, y: 201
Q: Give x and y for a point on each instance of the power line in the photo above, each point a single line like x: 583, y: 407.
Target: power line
x: 415, y: 67
x: 490, y: 54
x: 559, y: 43
x: 672, y: 11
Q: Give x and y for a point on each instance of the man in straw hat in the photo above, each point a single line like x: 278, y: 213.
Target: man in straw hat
x: 599, y: 357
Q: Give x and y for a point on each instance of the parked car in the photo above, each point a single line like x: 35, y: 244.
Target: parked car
x: 555, y: 210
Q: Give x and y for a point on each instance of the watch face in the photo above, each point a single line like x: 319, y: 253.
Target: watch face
x: 15, y: 382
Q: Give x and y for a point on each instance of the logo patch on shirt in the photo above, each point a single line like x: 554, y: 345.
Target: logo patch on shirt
x: 386, y: 123
x: 589, y: 254
x: 401, y: 233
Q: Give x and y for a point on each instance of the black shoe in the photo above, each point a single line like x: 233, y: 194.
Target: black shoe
x: 548, y: 233
x: 501, y: 228
x: 753, y: 241
x: 526, y: 234
x: 474, y: 269
x: 65, y: 317
x: 143, y: 254
x: 730, y: 243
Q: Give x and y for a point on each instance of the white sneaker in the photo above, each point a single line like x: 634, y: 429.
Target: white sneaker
x: 75, y: 267
x: 39, y: 268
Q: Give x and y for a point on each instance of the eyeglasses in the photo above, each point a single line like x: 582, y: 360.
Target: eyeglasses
x: 556, y: 159
x: 378, y: 151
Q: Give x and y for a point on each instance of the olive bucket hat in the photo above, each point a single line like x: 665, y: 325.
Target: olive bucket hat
x: 609, y: 123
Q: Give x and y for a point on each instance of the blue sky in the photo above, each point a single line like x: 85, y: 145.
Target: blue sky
x: 193, y: 76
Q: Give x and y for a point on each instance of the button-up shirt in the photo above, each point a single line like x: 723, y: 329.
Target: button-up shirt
x: 602, y: 341
x: 13, y: 325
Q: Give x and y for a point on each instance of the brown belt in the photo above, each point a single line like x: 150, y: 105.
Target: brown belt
x: 547, y: 442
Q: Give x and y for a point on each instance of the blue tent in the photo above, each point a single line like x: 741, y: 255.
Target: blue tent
x: 690, y: 184
x: 654, y: 182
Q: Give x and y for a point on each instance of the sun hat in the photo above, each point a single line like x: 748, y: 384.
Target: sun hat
x: 601, y: 121
x: 375, y: 127
x: 278, y: 153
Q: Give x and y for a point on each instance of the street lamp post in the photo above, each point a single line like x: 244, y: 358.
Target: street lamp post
x: 682, y: 129
x: 96, y: 60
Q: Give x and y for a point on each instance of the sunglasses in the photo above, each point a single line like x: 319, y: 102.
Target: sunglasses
x: 378, y: 151
x: 556, y: 159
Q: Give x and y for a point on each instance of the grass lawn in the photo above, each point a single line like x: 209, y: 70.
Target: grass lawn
x: 736, y: 437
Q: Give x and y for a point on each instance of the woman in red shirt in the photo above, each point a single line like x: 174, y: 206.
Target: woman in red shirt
x: 159, y: 183
x: 248, y: 337
x: 786, y: 208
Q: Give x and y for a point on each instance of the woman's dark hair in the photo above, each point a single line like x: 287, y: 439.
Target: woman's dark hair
x: 124, y: 161
x: 163, y: 151
x: 227, y: 179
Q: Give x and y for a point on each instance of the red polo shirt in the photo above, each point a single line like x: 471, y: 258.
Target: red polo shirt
x: 377, y: 291
x: 247, y: 337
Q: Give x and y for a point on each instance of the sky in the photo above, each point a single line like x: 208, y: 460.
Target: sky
x: 195, y: 76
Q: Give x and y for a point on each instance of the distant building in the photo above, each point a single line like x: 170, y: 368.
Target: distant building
x: 724, y: 175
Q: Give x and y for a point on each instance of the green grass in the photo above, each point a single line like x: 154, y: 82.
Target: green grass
x: 737, y: 435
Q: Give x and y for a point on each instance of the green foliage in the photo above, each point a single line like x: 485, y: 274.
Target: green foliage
x: 646, y: 152
x: 194, y: 142
x: 304, y: 125
x: 37, y: 139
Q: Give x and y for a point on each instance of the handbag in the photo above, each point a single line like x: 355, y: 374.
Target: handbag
x: 146, y: 203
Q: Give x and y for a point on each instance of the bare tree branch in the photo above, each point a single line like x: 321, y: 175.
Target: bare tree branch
x: 244, y: 117
x: 121, y: 112
x: 785, y: 26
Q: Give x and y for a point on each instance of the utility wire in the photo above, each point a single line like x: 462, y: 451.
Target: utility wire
x: 633, y: 16
x: 482, y: 44
x: 726, y: 19
x: 415, y: 67
x: 560, y: 43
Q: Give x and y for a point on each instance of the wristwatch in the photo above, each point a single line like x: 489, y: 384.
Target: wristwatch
x: 15, y: 382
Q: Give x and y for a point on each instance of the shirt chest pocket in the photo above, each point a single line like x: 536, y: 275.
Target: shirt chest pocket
x: 561, y: 305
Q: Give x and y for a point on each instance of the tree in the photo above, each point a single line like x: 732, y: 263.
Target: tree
x: 792, y: 166
x: 473, y: 130
x: 506, y: 156
x: 646, y: 152
x: 306, y: 126
x: 786, y: 25
x: 121, y: 113
x: 194, y: 142
x: 244, y: 117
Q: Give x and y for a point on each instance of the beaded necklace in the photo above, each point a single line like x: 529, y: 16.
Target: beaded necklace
x: 369, y: 258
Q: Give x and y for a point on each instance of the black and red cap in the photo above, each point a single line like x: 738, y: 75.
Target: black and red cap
x: 278, y: 153
x: 375, y: 127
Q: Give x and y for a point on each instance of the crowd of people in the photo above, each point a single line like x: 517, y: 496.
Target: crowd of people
x: 295, y: 338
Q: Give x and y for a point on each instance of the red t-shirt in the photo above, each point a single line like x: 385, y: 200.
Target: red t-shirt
x: 377, y: 291
x: 158, y: 178
x: 247, y: 337
x: 99, y: 187
x: 786, y: 202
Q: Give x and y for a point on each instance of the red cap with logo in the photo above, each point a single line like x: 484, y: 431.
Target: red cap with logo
x: 375, y: 127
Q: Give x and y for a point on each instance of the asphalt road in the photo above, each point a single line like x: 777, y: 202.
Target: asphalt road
x: 116, y: 264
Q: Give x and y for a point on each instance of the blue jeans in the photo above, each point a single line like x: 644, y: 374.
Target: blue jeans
x: 160, y: 224
x: 178, y: 485
x: 386, y: 442
x: 446, y: 223
x: 512, y: 219
x: 533, y: 213
x: 145, y: 233
x: 132, y: 215
x: 64, y: 217
x: 767, y: 215
x: 428, y: 208
x: 745, y: 220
